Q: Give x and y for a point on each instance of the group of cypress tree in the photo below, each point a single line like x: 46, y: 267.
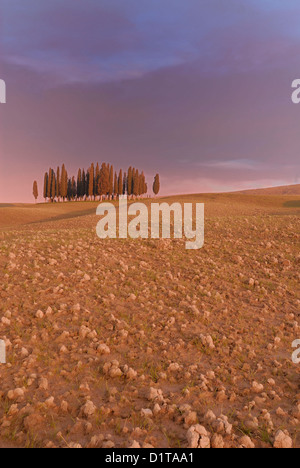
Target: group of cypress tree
x: 96, y: 182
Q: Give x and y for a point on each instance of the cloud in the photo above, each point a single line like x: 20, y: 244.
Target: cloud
x: 112, y: 40
x: 194, y: 90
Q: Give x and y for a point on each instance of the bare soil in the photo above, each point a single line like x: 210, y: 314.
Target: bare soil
x: 121, y: 343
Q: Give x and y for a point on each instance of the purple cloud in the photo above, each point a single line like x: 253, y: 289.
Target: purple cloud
x: 199, y: 91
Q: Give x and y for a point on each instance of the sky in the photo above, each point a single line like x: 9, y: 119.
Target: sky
x: 196, y: 90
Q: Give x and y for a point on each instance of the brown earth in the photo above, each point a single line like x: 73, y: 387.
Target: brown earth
x: 120, y: 343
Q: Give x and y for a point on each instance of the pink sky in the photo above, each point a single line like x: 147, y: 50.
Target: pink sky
x: 196, y: 91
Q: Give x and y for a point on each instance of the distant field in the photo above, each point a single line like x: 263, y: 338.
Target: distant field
x: 15, y: 215
x: 228, y: 204
x: 284, y: 190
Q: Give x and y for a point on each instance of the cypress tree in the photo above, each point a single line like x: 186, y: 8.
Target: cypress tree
x: 64, y: 183
x: 83, y: 184
x: 91, y: 181
x: 129, y: 182
x: 97, y: 181
x: 142, y: 184
x: 53, y: 186
x: 87, y: 183
x: 107, y: 167
x: 69, y: 189
x: 58, y: 194
x: 125, y: 191
x: 45, y: 186
x: 156, y: 184
x: 74, y: 188
x: 111, y: 181
x: 120, y: 183
x: 49, y: 183
x: 132, y: 183
x: 78, y: 192
x: 104, y: 180
x: 116, y: 191
x: 62, y: 187
x: 136, y: 183
x: 35, y: 190
x: 97, y: 175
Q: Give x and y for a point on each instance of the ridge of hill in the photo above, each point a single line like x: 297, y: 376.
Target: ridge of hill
x: 281, y: 190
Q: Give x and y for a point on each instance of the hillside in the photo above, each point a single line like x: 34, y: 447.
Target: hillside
x: 282, y: 190
x: 216, y: 205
